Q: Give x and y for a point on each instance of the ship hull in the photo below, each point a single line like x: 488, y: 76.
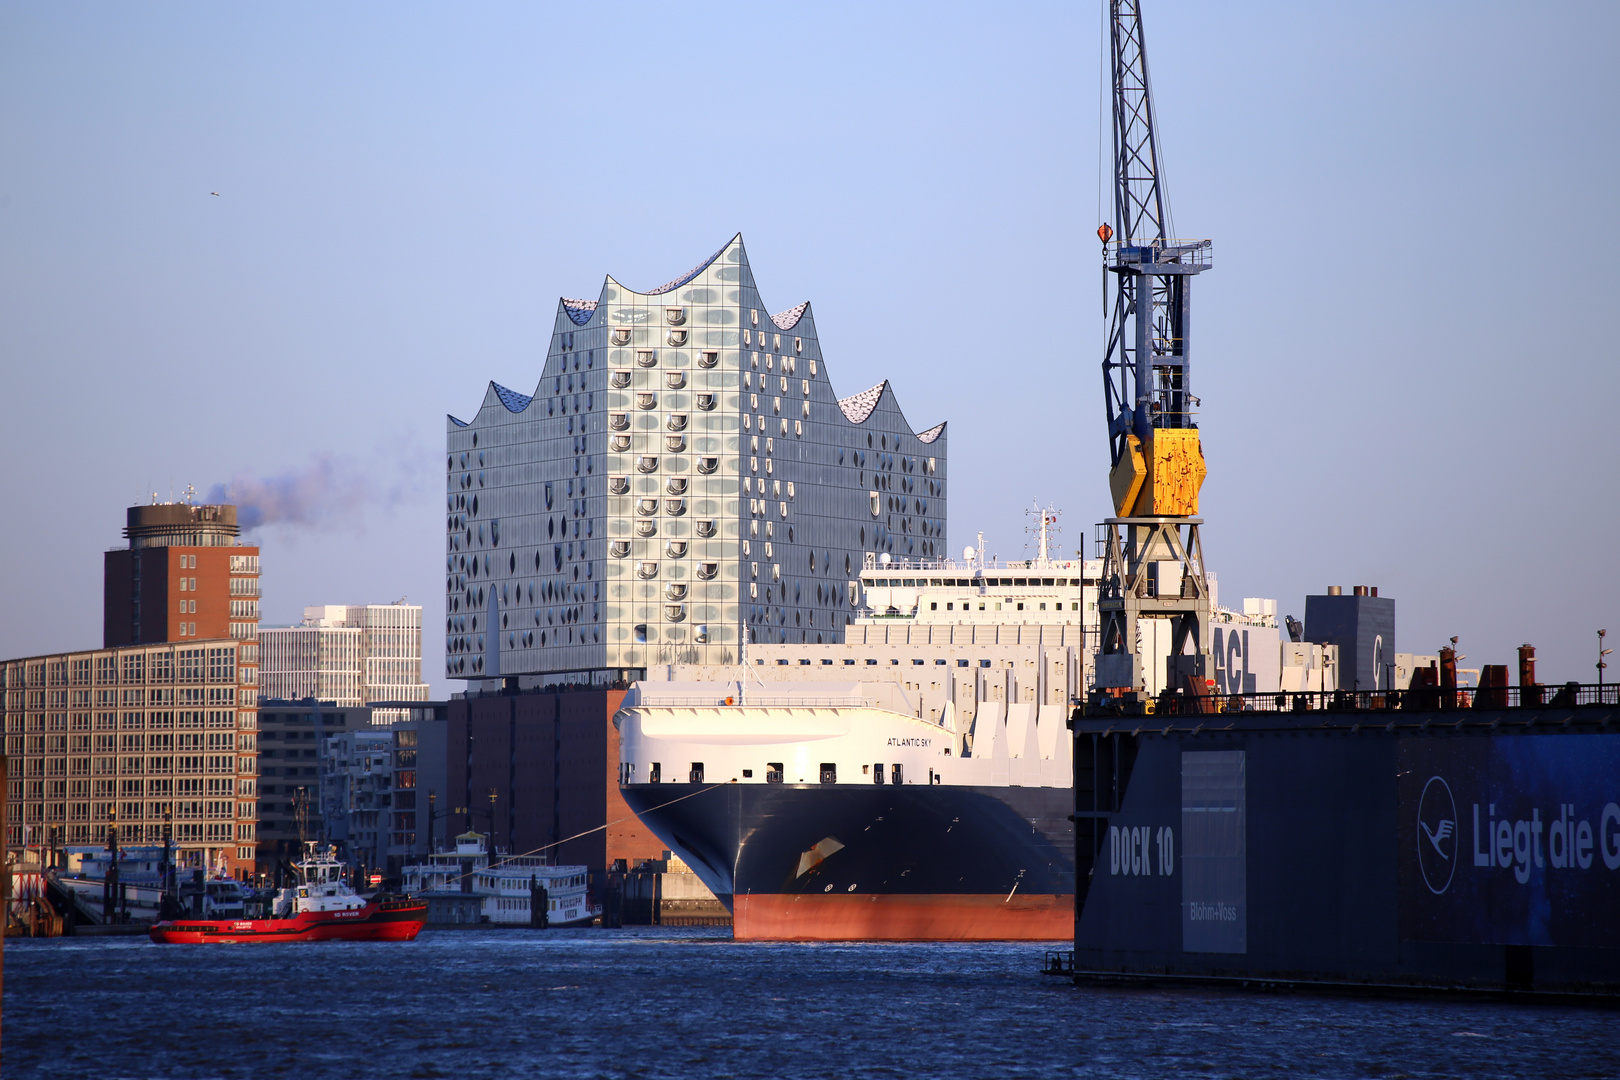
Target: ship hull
x: 841, y: 862
x: 389, y: 921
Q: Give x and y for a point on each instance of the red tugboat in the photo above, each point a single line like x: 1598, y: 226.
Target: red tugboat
x: 321, y: 907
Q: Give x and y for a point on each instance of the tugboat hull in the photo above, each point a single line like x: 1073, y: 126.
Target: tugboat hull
x: 399, y: 920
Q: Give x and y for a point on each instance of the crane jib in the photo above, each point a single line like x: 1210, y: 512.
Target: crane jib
x: 1153, y: 563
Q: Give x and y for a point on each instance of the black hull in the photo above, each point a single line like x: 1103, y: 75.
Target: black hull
x: 914, y: 861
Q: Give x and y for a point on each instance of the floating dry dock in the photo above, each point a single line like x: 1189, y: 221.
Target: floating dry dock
x: 1391, y: 839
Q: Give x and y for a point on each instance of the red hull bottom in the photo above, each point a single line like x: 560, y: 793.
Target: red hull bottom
x: 392, y: 922
x: 888, y: 917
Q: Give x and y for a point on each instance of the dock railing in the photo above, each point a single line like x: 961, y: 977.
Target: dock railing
x: 1424, y: 699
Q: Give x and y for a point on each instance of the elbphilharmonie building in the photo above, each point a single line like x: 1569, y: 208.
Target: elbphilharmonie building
x: 684, y: 470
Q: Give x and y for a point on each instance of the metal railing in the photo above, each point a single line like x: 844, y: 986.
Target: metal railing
x: 964, y: 566
x: 1418, y: 699
x: 1154, y: 250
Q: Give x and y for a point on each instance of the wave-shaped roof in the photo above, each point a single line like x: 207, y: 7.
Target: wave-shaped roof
x: 788, y: 319
x: 857, y: 407
x: 514, y: 401
x: 580, y: 311
x: 690, y: 274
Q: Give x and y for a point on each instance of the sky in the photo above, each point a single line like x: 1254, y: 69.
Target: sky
x: 270, y: 247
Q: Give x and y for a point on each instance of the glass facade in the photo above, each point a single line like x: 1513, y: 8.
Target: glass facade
x: 683, y: 470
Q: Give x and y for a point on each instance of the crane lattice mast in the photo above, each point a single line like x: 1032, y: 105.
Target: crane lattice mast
x: 1153, y: 560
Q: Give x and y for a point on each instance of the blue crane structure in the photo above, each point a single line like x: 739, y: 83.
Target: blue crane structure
x: 1152, y: 555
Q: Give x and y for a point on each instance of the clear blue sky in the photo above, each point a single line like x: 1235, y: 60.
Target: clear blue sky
x: 1405, y: 350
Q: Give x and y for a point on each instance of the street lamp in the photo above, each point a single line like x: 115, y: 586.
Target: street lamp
x: 1602, y: 652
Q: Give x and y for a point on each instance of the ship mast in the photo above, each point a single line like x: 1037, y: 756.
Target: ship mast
x: 1153, y: 559
x: 1045, y: 525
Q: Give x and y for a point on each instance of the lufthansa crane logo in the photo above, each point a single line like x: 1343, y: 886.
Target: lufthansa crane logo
x: 1437, y: 835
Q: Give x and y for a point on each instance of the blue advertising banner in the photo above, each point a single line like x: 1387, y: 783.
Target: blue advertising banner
x: 1511, y: 840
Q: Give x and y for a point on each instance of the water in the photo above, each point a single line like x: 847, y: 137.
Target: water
x: 657, y: 1002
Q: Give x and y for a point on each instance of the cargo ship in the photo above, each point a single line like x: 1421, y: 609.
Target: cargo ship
x: 913, y: 782
x: 813, y: 815
x: 319, y: 907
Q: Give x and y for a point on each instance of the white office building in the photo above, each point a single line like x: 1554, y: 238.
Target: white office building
x: 349, y: 655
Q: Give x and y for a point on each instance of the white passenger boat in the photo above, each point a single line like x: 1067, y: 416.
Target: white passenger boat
x: 506, y: 885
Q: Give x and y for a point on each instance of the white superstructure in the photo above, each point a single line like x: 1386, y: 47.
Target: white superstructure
x: 505, y: 884
x: 938, y: 636
x: 830, y: 732
x: 321, y: 886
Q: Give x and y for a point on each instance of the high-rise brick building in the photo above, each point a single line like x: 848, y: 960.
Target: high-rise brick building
x: 139, y: 735
x: 159, y: 727
x: 185, y: 575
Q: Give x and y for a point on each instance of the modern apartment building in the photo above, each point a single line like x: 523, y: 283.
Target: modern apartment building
x: 185, y: 575
x: 292, y: 760
x: 683, y: 469
x: 139, y: 736
x: 331, y: 773
x: 349, y: 655
x: 357, y: 788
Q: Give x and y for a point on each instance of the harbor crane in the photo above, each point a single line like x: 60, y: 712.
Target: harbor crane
x: 1153, y: 563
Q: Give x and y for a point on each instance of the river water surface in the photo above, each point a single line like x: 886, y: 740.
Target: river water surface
x: 657, y: 1002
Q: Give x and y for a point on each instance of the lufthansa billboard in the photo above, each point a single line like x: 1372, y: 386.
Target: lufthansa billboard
x: 1511, y: 840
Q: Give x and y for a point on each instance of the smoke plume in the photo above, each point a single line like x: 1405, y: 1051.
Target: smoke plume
x: 328, y: 492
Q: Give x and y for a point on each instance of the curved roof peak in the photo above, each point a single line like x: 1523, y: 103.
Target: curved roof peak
x: 857, y: 407
x: 788, y: 319
x: 579, y: 311
x: 514, y: 401
x: 670, y: 286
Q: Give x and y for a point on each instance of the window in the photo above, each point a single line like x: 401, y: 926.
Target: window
x: 697, y: 772
x: 894, y: 775
x: 877, y: 773
x: 655, y: 773
x: 773, y: 772
x: 829, y: 772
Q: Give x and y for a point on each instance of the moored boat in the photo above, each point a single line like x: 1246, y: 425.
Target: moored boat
x: 320, y: 907
x: 505, y: 887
